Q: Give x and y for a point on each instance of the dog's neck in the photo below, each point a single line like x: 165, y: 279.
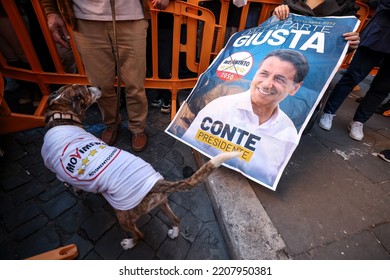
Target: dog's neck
x: 59, y: 118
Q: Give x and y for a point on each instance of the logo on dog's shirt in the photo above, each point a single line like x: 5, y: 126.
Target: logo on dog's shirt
x: 84, y: 160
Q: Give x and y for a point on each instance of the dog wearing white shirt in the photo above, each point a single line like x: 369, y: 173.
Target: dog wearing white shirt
x: 131, y: 186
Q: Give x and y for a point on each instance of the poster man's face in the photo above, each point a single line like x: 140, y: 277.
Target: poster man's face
x: 273, y: 82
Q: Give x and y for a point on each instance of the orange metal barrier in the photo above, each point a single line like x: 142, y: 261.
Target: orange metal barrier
x: 224, y: 8
x: 182, y: 12
x: 68, y: 252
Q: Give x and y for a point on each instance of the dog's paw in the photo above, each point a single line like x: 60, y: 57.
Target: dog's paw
x: 127, y: 243
x: 173, y: 232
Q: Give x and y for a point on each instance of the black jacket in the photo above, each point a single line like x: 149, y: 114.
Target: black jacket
x: 327, y: 8
x: 376, y: 35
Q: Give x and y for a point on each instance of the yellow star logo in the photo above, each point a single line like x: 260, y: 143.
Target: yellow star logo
x: 81, y: 171
x: 85, y: 161
x: 102, y: 146
x: 92, y: 152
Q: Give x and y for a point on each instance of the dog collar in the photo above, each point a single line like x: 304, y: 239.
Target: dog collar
x: 64, y: 116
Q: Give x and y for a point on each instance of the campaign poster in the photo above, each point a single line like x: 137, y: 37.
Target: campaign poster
x: 259, y: 93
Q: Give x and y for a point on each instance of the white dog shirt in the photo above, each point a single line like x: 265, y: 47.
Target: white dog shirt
x: 84, y: 161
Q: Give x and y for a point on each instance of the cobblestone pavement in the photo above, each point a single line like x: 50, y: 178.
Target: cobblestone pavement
x: 39, y: 213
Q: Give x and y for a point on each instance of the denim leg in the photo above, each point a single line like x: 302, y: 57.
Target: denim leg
x: 378, y: 91
x: 362, y: 63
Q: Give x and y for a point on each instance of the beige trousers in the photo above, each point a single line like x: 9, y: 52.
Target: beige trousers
x: 95, y: 42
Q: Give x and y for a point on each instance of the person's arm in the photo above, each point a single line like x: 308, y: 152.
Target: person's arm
x: 353, y: 39
x: 50, y: 6
x: 282, y: 11
x: 56, y: 23
x: 160, y: 4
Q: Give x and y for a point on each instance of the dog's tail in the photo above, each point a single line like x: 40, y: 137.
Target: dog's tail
x: 198, y: 177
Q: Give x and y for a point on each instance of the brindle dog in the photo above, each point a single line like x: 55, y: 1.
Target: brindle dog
x: 64, y: 115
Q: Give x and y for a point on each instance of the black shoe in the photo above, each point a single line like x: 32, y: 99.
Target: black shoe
x: 166, y: 108
x: 382, y: 108
x: 157, y: 103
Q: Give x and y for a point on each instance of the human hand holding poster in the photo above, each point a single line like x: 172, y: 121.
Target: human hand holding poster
x: 260, y: 92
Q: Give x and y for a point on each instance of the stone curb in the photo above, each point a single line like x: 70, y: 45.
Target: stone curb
x: 239, y: 211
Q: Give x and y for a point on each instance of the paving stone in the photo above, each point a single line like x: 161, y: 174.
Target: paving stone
x: 160, y: 151
x: 108, y: 247
x: 33, y: 150
x: 47, y: 177
x: 30, y: 160
x: 361, y: 246
x: 8, y: 251
x: 382, y: 232
x: 8, y: 169
x: 168, y: 141
x: 92, y: 255
x: 20, y: 215
x: 30, y: 227
x: 97, y: 224
x: 2, y: 234
x: 27, y: 191
x: 155, y: 233
x: 58, y: 205
x: 188, y: 171
x: 140, y: 252
x: 182, y: 199
x: 145, y: 219
x: 178, y: 157
x: 153, y: 154
x: 209, y: 245
x: 52, y: 191
x: 163, y: 166
x: 38, y: 243
x: 37, y: 169
x: 190, y: 226
x: 71, y: 220
x: 28, y: 137
x: 124, y: 145
x: 175, y: 173
x: 160, y: 124
x: 173, y: 249
x: 302, y: 256
x: 83, y: 246
x: 95, y: 201
x: 6, y: 204
x: 19, y: 178
x: 155, y: 139
x: 13, y: 153
x: 204, y: 211
x: 187, y: 154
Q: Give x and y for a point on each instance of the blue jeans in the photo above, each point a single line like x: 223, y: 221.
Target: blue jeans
x: 362, y: 63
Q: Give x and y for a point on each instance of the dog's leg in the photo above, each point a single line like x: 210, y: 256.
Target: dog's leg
x: 174, y: 231
x: 127, y: 220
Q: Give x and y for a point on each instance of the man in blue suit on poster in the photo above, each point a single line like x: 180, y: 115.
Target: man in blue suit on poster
x: 252, y: 121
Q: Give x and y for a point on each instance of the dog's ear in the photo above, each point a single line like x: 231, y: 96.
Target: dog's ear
x: 51, y: 97
x: 77, y: 103
x: 56, y: 94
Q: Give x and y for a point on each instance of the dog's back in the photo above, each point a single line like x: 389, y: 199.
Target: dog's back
x: 198, y: 177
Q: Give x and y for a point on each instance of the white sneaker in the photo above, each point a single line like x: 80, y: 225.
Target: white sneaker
x: 326, y: 121
x: 356, y: 130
